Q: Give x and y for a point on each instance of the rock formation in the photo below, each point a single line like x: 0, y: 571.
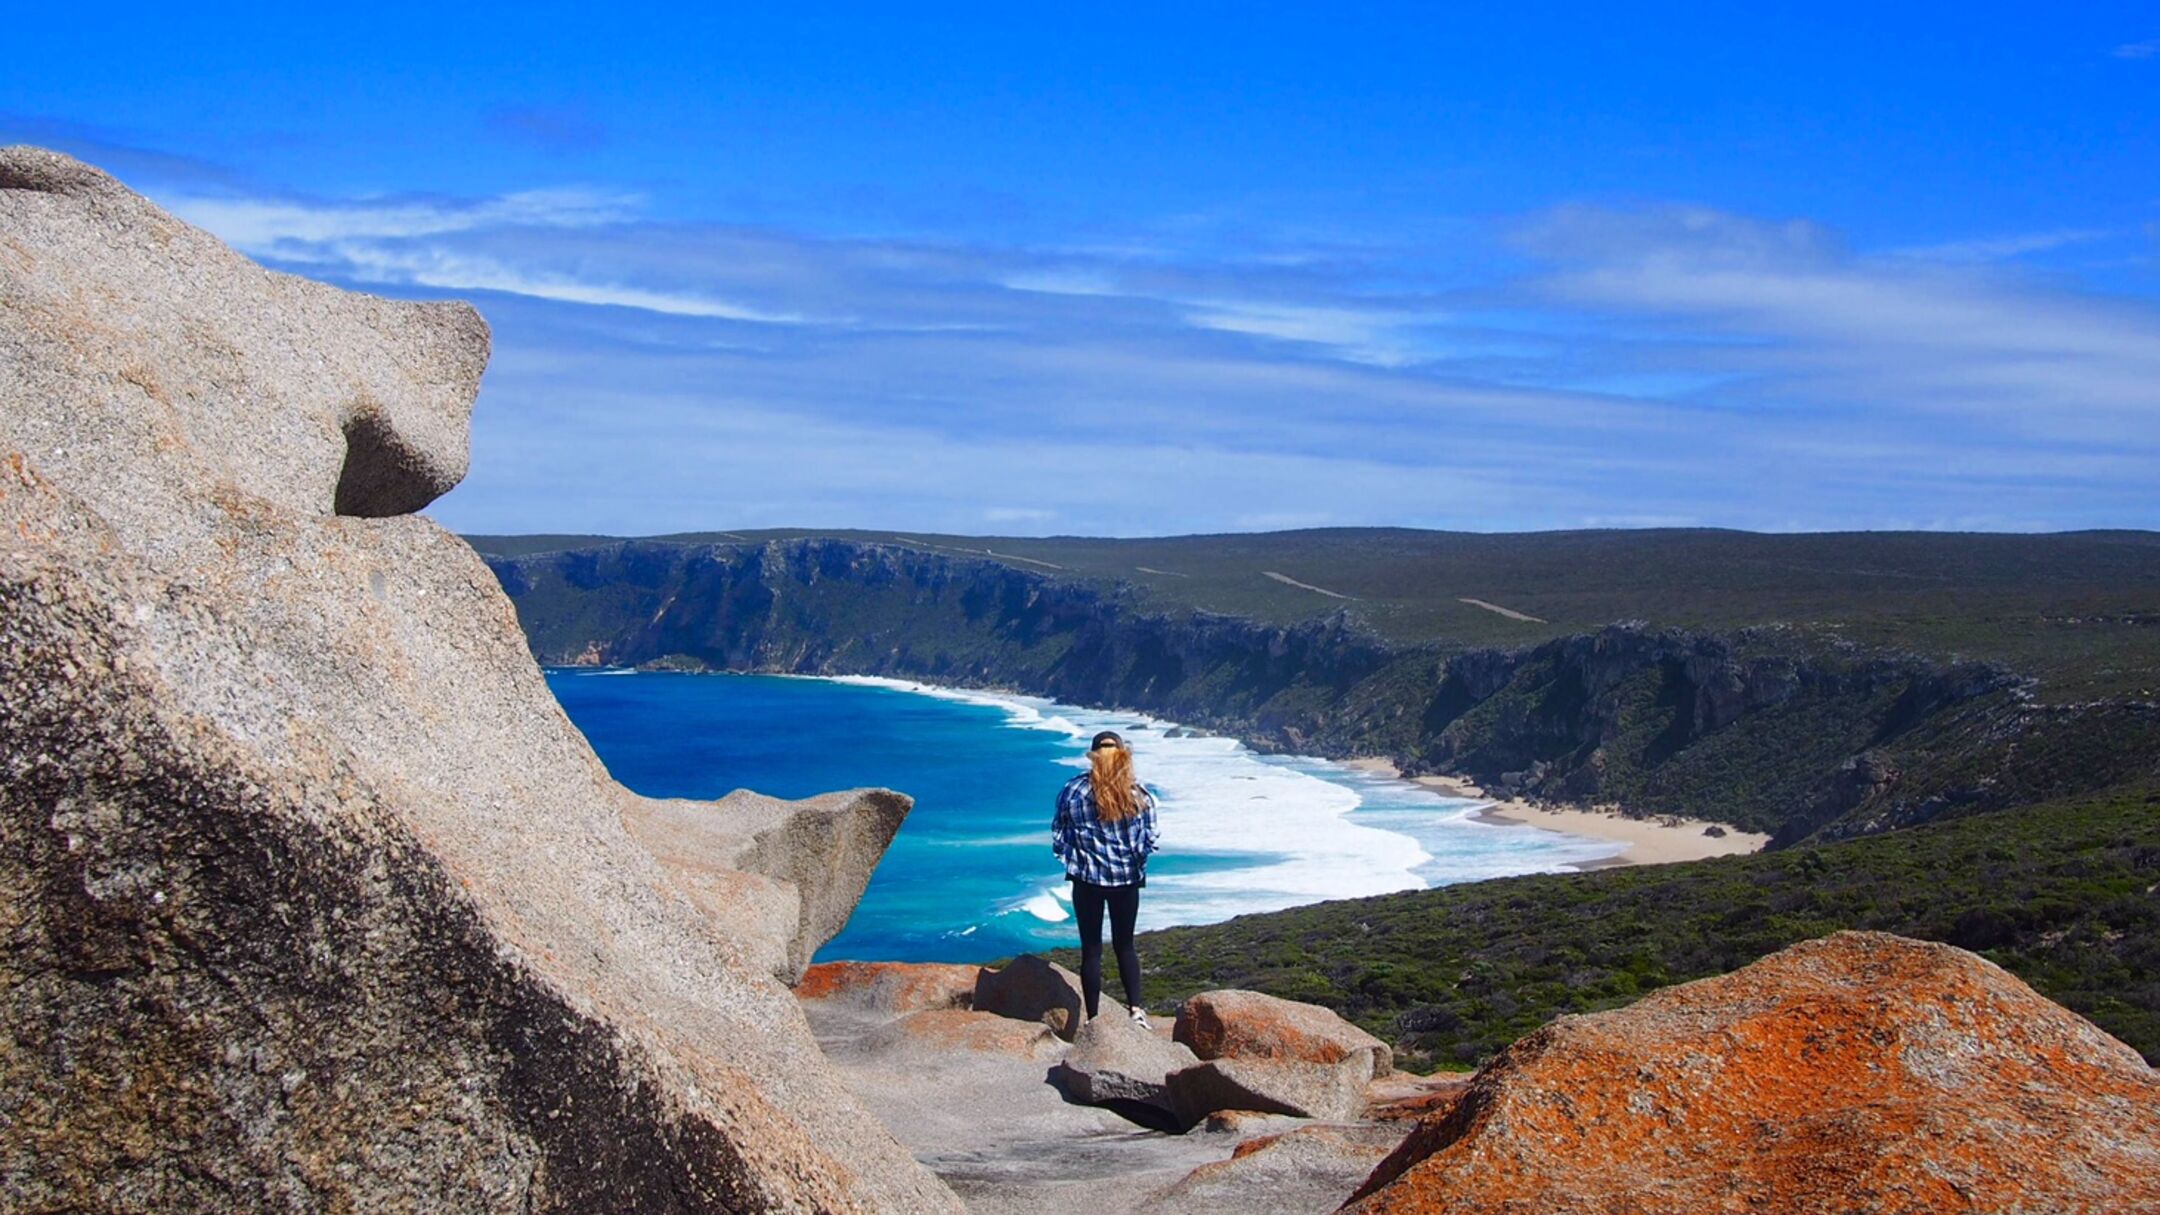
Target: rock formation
x: 889, y: 987
x: 1860, y: 1072
x: 1032, y: 990
x: 314, y: 898
x: 1333, y: 1092
x: 1114, y: 1060
x: 1251, y: 1026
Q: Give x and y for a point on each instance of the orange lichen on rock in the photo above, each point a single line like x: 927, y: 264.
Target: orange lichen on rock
x: 1860, y: 1072
x: 947, y: 1031
x: 1250, y: 1026
x: 899, y: 987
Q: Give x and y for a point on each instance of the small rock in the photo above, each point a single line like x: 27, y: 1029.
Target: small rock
x: 1031, y: 989
x: 1114, y: 1060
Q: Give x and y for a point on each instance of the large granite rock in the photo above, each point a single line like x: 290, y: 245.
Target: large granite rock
x: 1032, y: 989
x: 1250, y: 1026
x: 315, y: 900
x: 1860, y: 1072
x: 1113, y: 1060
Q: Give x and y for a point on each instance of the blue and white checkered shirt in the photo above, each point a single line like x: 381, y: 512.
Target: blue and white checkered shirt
x: 1107, y: 854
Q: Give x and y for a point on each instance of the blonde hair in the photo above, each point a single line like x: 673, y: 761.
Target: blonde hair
x: 1116, y: 789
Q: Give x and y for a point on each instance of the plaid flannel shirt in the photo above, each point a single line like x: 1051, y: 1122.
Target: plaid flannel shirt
x: 1107, y: 854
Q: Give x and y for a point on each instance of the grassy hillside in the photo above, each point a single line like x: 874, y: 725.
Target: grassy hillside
x: 2080, y: 611
x: 2061, y: 894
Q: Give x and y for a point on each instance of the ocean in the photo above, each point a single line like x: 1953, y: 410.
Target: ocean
x: 971, y: 877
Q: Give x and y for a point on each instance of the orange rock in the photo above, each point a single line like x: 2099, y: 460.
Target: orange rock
x: 1860, y: 1072
x: 1405, y: 1098
x: 897, y: 987
x: 946, y: 1031
x: 1249, y: 1026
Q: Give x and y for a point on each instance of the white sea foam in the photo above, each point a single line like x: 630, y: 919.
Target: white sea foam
x: 1274, y: 831
x: 1045, y: 906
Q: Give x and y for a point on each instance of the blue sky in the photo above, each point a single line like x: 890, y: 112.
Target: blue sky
x: 1122, y: 271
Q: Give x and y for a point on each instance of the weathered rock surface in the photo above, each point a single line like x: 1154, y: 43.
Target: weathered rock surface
x: 889, y: 987
x: 1304, y: 1170
x: 315, y: 900
x: 943, y: 1031
x: 1249, y: 1026
x: 801, y: 866
x: 1333, y: 1092
x: 1031, y: 989
x: 1114, y: 1060
x: 1860, y: 1072
x: 989, y: 1123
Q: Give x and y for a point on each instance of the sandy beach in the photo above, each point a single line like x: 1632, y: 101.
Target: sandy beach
x: 1655, y: 841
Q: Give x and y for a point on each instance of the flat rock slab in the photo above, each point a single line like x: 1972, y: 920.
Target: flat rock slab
x: 889, y: 987
x: 1307, y: 1169
x: 994, y: 1128
x: 944, y: 1031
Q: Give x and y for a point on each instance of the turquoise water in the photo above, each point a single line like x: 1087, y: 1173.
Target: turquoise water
x: 970, y: 876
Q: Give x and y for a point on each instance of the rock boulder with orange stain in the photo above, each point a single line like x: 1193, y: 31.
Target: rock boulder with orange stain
x: 1860, y: 1072
x: 1246, y: 1025
x: 890, y: 987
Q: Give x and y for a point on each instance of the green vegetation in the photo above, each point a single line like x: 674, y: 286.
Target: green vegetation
x: 2061, y: 894
x: 2079, y: 611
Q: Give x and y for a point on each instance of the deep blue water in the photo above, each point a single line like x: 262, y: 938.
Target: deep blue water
x: 970, y: 876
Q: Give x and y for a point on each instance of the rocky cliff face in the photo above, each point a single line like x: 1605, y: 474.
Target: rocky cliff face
x: 1757, y: 728
x: 1860, y: 1072
x: 314, y: 900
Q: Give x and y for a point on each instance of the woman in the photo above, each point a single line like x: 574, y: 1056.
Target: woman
x: 1104, y: 830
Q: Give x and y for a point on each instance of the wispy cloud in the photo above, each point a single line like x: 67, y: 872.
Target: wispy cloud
x: 1812, y: 324
x: 2148, y: 49
x: 1991, y: 249
x: 1654, y: 365
x: 268, y: 224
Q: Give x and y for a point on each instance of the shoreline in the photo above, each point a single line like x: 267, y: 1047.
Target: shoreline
x: 1658, y: 841
x: 1645, y: 841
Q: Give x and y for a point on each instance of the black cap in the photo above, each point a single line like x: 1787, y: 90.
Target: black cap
x: 1108, y: 738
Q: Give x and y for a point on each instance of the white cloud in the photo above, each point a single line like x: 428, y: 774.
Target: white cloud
x: 1997, y: 248
x: 1812, y: 324
x: 1667, y: 366
x: 2138, y: 50
x: 261, y: 225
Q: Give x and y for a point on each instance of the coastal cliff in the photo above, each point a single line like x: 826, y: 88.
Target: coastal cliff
x: 1767, y: 728
x: 314, y: 898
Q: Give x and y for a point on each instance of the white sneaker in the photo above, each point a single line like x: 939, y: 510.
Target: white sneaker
x: 1139, y: 1016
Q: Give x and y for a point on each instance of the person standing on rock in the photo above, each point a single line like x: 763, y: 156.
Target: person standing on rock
x: 1104, y: 830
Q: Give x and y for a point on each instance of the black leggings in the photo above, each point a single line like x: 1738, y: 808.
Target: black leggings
x: 1124, y: 904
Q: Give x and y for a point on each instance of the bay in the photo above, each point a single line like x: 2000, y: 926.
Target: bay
x: 970, y: 876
